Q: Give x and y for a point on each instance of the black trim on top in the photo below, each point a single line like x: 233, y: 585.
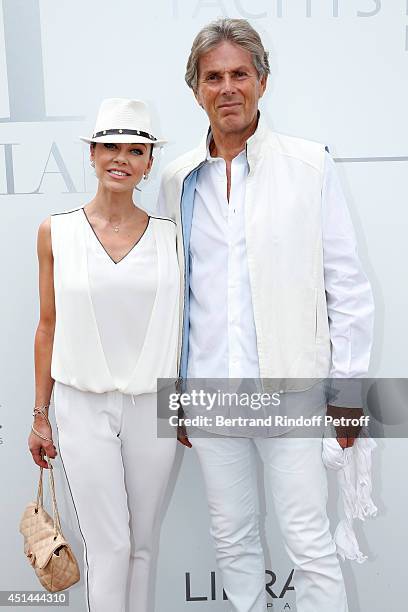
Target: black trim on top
x: 66, y: 212
x: 100, y: 242
x: 164, y: 219
x: 124, y: 131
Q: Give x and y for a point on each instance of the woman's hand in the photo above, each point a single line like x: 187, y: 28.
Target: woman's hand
x: 39, y: 447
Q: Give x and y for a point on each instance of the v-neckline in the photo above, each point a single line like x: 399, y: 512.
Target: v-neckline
x: 102, y: 245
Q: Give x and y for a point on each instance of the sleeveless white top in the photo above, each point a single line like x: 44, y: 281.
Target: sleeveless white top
x: 116, y: 323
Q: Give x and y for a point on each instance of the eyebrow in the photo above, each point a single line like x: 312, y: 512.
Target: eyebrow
x: 238, y: 69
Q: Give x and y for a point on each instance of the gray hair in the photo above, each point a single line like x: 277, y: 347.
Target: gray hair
x: 237, y: 31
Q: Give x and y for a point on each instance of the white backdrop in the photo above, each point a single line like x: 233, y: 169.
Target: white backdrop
x: 339, y: 75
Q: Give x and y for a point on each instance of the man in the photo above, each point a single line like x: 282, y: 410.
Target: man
x: 272, y: 288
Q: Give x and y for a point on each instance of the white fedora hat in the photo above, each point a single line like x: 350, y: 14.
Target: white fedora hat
x: 123, y: 120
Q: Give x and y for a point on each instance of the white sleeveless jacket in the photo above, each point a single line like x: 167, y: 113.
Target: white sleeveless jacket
x: 78, y: 357
x: 284, y: 249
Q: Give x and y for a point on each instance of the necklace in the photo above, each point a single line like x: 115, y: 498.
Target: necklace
x: 115, y: 226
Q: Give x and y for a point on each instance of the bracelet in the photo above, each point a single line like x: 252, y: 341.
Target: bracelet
x: 37, y: 433
x: 40, y: 410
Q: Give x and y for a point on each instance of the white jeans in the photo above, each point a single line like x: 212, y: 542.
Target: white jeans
x: 298, y: 481
x: 117, y: 471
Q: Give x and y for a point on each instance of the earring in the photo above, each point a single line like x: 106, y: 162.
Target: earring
x: 146, y: 176
x: 93, y: 164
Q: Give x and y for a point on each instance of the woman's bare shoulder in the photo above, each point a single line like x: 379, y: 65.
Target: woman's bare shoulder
x: 45, y: 227
x: 44, y: 237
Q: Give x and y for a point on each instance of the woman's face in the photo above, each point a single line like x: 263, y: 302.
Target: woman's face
x: 121, y: 166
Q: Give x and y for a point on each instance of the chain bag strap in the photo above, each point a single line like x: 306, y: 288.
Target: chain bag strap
x: 40, y: 497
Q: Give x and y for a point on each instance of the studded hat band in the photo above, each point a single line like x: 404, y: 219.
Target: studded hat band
x: 124, y: 131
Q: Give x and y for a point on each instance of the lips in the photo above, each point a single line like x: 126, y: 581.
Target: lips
x: 118, y: 174
x: 233, y: 105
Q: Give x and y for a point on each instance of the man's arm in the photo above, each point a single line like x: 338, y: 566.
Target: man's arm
x: 161, y: 207
x: 165, y: 208
x: 349, y: 298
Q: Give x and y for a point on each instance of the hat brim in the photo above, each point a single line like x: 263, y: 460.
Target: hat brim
x: 125, y: 139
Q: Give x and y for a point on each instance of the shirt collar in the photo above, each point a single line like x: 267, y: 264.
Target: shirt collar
x: 211, y: 159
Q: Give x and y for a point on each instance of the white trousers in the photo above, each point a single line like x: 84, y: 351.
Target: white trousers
x: 117, y: 471
x: 298, y: 482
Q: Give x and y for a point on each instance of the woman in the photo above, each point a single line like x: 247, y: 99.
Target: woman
x: 109, y: 287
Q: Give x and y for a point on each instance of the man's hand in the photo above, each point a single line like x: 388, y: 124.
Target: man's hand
x: 181, y: 429
x: 345, y: 435
x: 182, y: 436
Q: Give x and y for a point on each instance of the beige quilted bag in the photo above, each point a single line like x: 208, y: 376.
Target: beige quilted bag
x: 44, y: 544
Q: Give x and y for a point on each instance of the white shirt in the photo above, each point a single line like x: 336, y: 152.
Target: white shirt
x: 222, y: 340
x: 123, y: 295
x: 117, y: 325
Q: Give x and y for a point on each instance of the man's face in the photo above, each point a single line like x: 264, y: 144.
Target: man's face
x: 229, y: 87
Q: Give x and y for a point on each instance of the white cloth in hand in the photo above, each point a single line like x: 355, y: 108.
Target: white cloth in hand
x: 353, y: 466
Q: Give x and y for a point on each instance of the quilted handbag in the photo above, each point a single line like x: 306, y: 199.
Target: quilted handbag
x: 44, y: 544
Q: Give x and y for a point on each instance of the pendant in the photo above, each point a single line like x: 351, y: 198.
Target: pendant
x: 116, y: 229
